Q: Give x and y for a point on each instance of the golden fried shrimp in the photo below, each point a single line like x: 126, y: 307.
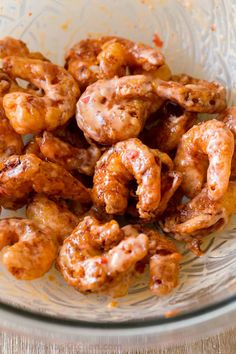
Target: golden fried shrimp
x: 10, y: 142
x: 106, y: 57
x: 116, y: 168
x: 70, y: 133
x: 55, y: 216
x: 30, y: 113
x: 20, y: 175
x: 30, y: 252
x: 10, y: 46
x: 170, y: 182
x: 199, y: 217
x: 164, y: 263
x: 95, y: 255
x: 172, y: 123
x: 64, y: 154
x: 194, y: 95
x: 229, y: 118
x: 114, y: 110
x: 163, y: 259
x: 210, y: 140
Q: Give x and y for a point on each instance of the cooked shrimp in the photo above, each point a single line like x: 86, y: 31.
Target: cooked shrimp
x: 47, y: 214
x: 70, y: 133
x: 31, y: 251
x: 106, y: 57
x: 170, y: 182
x: 64, y: 154
x: 114, y: 110
x: 172, y: 123
x: 116, y: 168
x: 94, y: 255
x: 164, y: 263
x: 194, y: 95
x: 163, y: 258
x: 10, y: 46
x: 30, y: 113
x: 229, y: 118
x: 212, y: 140
x: 20, y: 175
x: 10, y: 142
x: 201, y: 216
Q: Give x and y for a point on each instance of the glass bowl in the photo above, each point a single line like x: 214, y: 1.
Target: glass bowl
x: 198, y: 38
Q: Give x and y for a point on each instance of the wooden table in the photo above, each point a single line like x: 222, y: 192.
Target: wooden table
x: 220, y: 344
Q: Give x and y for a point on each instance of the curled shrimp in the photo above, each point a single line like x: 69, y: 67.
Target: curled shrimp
x: 50, y: 215
x: 10, y: 142
x: 114, y: 110
x: 199, y: 217
x: 106, y: 57
x: 210, y: 140
x: 20, y: 175
x: 30, y: 252
x: 64, y: 154
x: 116, y: 168
x: 30, y: 113
x: 10, y: 46
x: 194, y: 95
x: 95, y: 255
x: 229, y: 118
x: 71, y: 134
x: 163, y: 259
x: 170, y: 183
x: 173, y: 122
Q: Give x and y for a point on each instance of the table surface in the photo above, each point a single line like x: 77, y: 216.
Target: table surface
x: 224, y: 343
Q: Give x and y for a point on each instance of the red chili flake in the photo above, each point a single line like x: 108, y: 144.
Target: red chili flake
x: 132, y: 155
x: 30, y: 14
x: 213, y: 28
x: 157, y: 40
x: 85, y: 99
x: 104, y: 260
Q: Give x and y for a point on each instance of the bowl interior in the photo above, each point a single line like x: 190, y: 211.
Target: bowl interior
x: 197, y: 37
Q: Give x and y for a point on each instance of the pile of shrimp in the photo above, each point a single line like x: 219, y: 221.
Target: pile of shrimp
x: 117, y: 165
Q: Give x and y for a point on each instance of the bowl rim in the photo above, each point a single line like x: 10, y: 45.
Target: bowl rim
x: 127, y: 324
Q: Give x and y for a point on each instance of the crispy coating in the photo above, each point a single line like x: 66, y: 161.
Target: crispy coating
x: 31, y: 251
x: 47, y: 214
x: 20, y: 175
x: 106, y: 57
x: 229, y: 118
x: 95, y: 255
x: 64, y: 154
x: 200, y: 216
x: 30, y: 113
x: 114, y: 110
x: 208, y: 141
x: 194, y: 95
x: 116, y: 168
x: 172, y: 123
